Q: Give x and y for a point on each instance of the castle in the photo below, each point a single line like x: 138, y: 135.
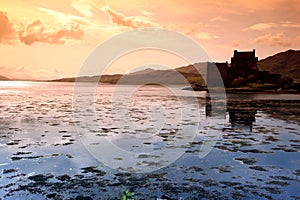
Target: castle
x: 243, y: 65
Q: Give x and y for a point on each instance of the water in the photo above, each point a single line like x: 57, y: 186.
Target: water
x: 54, y: 143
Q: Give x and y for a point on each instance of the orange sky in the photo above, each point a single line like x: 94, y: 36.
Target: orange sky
x: 52, y: 38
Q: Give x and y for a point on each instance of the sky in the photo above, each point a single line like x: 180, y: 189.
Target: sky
x: 52, y: 38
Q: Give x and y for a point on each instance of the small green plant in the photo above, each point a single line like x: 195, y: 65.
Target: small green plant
x: 128, y: 195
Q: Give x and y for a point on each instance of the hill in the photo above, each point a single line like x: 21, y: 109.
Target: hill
x: 285, y: 63
x: 112, y: 79
x: 161, y: 76
x: 194, y: 69
x: 3, y: 78
x: 189, y: 73
x: 145, y: 71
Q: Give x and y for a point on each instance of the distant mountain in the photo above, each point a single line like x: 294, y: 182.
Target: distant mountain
x: 188, y: 73
x: 161, y: 76
x: 285, y: 63
x: 145, y: 71
x: 3, y: 78
x: 112, y: 79
x: 194, y: 69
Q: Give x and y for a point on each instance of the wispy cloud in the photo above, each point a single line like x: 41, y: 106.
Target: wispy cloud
x: 146, y: 13
x: 273, y: 40
x: 262, y: 26
x: 36, y: 31
x: 83, y: 6
x: 219, y: 19
x: 65, y: 18
x: 206, y: 36
x: 289, y: 24
x: 265, y: 26
x: 128, y: 21
x: 7, y: 30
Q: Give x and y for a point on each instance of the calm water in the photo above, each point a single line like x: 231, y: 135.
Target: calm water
x: 61, y: 143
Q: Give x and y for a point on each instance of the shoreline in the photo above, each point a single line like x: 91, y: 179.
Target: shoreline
x: 249, y: 90
x: 244, y: 90
x: 202, y: 88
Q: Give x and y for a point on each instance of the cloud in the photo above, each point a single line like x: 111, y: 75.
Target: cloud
x: 219, y: 19
x: 83, y: 7
x: 146, y: 13
x: 262, y: 26
x: 131, y: 21
x: 265, y: 26
x: 65, y: 18
x: 206, y: 36
x: 7, y: 30
x: 289, y: 24
x: 273, y: 40
x: 36, y: 31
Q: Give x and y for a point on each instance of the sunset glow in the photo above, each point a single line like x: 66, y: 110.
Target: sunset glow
x: 51, y: 39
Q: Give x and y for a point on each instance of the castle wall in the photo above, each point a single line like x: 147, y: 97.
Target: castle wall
x: 243, y: 64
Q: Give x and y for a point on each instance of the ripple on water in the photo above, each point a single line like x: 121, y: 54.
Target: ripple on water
x: 43, y: 157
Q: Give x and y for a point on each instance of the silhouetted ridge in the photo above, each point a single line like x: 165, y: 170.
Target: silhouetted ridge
x: 285, y: 63
x: 3, y: 78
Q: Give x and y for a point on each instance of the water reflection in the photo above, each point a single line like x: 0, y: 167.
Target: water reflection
x: 242, y: 112
x: 43, y: 157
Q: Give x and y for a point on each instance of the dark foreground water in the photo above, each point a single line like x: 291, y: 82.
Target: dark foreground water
x: 48, y: 152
